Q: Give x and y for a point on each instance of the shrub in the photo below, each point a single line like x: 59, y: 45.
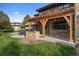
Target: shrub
x: 0, y: 32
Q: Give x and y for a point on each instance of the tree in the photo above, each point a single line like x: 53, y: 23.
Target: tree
x: 5, y: 24
x: 26, y: 18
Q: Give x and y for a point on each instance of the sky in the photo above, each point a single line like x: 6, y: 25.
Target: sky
x: 17, y: 11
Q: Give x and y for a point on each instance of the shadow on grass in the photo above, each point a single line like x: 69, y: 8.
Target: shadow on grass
x: 41, y: 49
x: 12, y: 49
x: 48, y: 49
x: 67, y: 50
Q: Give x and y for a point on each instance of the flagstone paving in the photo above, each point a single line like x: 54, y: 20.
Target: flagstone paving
x: 57, y: 40
x: 16, y: 35
x: 45, y: 38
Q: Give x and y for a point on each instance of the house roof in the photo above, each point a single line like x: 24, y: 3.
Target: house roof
x: 15, y: 23
x: 48, y: 6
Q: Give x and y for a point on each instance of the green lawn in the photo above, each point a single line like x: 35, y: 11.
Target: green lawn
x: 10, y: 46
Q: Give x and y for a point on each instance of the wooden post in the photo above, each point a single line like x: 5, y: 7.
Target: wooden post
x: 43, y: 23
x: 43, y: 29
x: 71, y: 29
x: 70, y: 23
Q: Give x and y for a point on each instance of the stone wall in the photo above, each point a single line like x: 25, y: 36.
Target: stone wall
x: 33, y: 35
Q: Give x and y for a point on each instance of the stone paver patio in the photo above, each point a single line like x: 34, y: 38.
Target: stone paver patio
x: 36, y: 38
x: 16, y: 35
x: 57, y: 40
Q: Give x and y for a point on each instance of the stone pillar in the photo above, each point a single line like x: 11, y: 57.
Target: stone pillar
x: 50, y: 27
x: 77, y: 28
x: 77, y: 48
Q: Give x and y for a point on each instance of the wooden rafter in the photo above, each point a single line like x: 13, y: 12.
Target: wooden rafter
x: 59, y: 12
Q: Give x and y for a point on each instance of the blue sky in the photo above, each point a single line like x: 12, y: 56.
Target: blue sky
x: 17, y: 11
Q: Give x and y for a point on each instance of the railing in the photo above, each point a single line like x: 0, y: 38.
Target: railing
x: 55, y: 13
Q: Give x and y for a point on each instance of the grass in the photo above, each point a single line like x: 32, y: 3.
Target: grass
x: 13, y: 47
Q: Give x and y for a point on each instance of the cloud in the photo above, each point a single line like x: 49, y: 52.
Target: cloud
x: 16, y: 13
x: 17, y: 18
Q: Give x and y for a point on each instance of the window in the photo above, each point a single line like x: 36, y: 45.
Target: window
x: 59, y: 25
x: 60, y: 7
x: 46, y: 11
x: 66, y: 5
x: 63, y: 6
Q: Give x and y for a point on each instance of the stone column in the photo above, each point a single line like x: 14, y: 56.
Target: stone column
x: 77, y: 28
x: 50, y: 28
x: 77, y: 48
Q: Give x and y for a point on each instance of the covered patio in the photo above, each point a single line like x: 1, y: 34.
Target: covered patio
x: 62, y: 17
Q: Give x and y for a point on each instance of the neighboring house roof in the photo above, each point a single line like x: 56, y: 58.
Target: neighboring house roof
x: 15, y: 23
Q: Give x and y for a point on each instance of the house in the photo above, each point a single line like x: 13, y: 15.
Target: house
x: 16, y: 26
x: 55, y: 19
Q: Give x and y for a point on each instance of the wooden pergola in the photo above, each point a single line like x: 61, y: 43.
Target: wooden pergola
x: 67, y: 14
